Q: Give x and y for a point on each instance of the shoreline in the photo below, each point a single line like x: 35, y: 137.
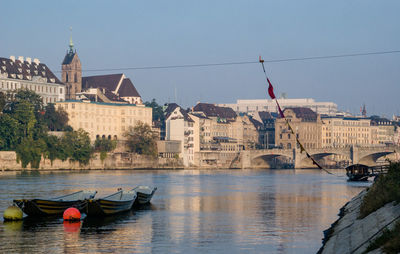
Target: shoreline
x: 349, y: 234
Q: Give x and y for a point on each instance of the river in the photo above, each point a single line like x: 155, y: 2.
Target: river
x: 193, y: 211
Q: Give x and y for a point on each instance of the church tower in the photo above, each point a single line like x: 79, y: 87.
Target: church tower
x: 71, y: 72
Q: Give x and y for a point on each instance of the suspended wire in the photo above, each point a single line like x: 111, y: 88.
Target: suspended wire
x: 242, y: 62
x: 302, y: 149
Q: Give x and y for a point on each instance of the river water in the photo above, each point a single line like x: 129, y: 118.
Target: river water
x: 193, y: 211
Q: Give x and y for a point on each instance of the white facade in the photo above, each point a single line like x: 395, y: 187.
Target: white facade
x: 181, y: 129
x: 251, y: 106
x: 32, y: 75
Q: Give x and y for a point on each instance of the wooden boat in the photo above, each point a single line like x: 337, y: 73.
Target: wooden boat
x: 144, y: 194
x: 118, y: 202
x: 55, y: 206
x: 357, y: 172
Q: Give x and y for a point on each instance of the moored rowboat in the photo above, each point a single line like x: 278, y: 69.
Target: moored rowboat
x: 118, y: 202
x: 54, y: 206
x: 144, y: 194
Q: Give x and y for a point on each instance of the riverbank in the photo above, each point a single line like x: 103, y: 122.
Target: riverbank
x: 8, y: 162
x: 371, y: 230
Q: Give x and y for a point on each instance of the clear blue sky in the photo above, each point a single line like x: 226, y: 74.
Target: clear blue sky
x: 118, y: 34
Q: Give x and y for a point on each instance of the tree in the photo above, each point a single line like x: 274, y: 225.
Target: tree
x: 3, y: 101
x: 52, y: 150
x: 141, y: 139
x: 30, y: 96
x: 103, y: 146
x: 77, y: 146
x: 56, y: 120
x: 24, y: 114
x: 8, y: 132
x: 158, y: 113
x: 30, y: 151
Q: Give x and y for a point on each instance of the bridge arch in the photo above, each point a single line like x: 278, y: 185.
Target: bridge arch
x: 272, y: 161
x: 371, y: 159
x: 305, y: 162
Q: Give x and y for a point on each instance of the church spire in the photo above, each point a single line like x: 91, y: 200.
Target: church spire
x: 71, y: 44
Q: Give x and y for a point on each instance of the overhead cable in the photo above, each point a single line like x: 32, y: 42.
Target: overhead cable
x: 243, y: 62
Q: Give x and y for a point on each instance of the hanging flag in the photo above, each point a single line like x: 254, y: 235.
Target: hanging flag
x: 271, y: 90
x: 273, y: 97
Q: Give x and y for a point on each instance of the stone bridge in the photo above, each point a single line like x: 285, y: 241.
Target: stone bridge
x: 355, y: 154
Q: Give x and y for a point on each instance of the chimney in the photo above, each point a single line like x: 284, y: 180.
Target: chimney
x: 12, y: 58
x: 29, y: 60
x: 36, y: 61
x: 21, y: 59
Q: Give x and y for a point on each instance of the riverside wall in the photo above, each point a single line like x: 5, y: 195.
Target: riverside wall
x: 122, y: 160
x: 352, y: 235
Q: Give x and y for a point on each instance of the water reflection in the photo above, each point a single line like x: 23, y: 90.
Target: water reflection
x: 218, y: 211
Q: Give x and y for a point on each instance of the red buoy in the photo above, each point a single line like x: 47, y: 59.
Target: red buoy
x: 72, y: 214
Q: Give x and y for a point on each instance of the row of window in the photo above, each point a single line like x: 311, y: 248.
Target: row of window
x: 87, y: 107
x: 89, y: 126
x: 37, y: 88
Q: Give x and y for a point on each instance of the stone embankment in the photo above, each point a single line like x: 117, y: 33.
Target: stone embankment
x: 351, y: 235
x: 8, y: 162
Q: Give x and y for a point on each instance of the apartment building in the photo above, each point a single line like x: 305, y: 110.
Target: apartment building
x: 339, y: 131
x: 105, y: 120
x: 179, y: 126
x: 306, y: 125
x: 25, y: 73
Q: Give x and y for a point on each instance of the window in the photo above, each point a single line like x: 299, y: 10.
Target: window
x: 76, y: 78
x: 66, y: 77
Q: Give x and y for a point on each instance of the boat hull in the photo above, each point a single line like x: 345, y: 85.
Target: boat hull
x: 144, y: 198
x: 103, y: 207
x: 43, y: 207
x: 357, y: 178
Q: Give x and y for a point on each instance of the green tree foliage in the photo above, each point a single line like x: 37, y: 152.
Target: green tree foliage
x: 30, y: 151
x: 103, y: 146
x: 3, y: 101
x: 8, y: 132
x: 158, y: 113
x: 23, y: 112
x: 56, y: 120
x: 53, y: 148
x: 24, y: 125
x: 30, y: 96
x: 77, y: 146
x: 141, y: 139
x: 386, y: 189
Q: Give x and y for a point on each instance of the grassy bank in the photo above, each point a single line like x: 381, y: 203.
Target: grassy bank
x: 385, y: 190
